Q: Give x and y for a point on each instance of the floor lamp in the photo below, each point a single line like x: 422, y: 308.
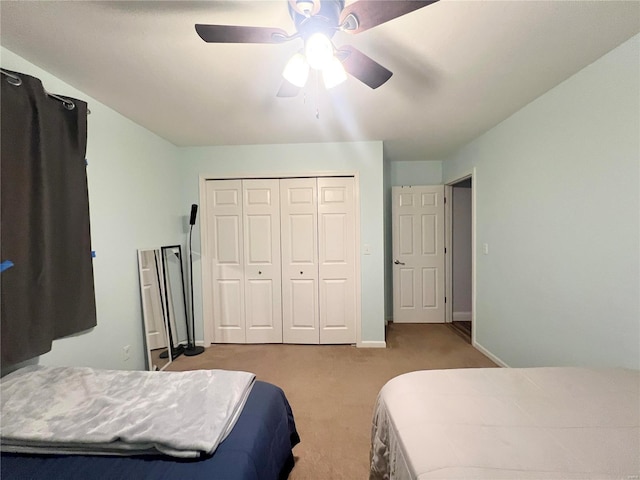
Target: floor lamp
x: 191, y: 349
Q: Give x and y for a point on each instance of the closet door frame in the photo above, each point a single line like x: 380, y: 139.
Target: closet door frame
x: 207, y: 304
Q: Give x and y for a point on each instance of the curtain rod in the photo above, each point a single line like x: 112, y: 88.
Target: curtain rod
x: 17, y: 81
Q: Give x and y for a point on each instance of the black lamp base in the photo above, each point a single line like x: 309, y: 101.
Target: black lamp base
x: 192, y: 351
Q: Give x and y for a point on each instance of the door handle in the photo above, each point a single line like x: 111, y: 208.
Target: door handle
x: 398, y: 262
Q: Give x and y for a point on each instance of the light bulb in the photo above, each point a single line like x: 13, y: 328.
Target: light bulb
x: 333, y: 74
x: 297, y: 70
x: 319, y: 51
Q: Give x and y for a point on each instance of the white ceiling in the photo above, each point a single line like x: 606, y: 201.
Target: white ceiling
x: 460, y: 67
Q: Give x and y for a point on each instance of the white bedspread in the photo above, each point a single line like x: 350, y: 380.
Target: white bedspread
x: 500, y: 423
x: 85, y: 411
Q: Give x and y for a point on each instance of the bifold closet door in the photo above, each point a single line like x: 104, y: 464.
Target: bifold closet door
x: 299, y: 239
x: 225, y: 247
x: 336, y: 260
x: 261, y: 213
x: 243, y: 221
x: 282, y: 260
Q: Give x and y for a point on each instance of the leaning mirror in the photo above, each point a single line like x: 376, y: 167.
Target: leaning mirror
x: 164, y: 304
x: 156, y: 332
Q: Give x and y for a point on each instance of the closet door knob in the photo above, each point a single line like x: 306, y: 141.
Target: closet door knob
x: 259, y: 272
x: 300, y: 272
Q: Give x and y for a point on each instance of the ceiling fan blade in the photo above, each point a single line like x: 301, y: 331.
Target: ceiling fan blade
x: 239, y: 34
x: 364, y: 68
x: 371, y: 14
x: 288, y: 89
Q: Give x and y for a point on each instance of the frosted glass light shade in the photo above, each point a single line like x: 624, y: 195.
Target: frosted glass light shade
x: 333, y: 74
x: 297, y: 70
x: 319, y: 51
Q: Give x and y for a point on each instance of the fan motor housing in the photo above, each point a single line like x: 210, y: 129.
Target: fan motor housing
x: 325, y: 21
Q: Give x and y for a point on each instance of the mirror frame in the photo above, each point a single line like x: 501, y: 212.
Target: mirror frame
x: 146, y: 314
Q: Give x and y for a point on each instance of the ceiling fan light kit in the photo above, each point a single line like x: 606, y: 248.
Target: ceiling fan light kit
x: 318, y: 50
x: 333, y: 74
x: 316, y: 22
x: 297, y: 70
x: 319, y: 56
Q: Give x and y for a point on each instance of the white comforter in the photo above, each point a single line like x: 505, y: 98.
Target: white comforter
x: 500, y: 423
x: 85, y: 411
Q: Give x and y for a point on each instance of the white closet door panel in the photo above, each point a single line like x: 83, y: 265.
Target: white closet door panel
x: 228, y: 250
x: 262, y: 265
x: 225, y: 246
x: 303, y: 304
x: 229, y: 306
x: 260, y: 311
x: 299, y: 237
x: 336, y: 261
x: 302, y: 232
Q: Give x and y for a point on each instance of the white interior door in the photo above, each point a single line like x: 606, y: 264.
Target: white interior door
x: 151, y: 301
x: 336, y: 260
x: 299, y: 239
x: 225, y: 238
x: 263, y: 307
x: 418, y: 253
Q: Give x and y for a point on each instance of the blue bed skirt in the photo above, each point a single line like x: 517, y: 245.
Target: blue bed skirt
x: 258, y: 448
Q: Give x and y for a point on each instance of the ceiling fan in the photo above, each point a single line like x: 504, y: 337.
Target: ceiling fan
x: 316, y: 21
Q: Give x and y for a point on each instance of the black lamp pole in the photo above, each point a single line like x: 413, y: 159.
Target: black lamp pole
x: 191, y: 349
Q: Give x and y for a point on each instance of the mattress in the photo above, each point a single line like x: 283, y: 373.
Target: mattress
x: 258, y: 448
x: 499, y: 423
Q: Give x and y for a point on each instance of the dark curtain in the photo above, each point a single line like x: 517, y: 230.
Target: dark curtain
x: 48, y: 293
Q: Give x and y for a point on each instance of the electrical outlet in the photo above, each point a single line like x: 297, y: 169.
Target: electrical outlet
x: 126, y: 352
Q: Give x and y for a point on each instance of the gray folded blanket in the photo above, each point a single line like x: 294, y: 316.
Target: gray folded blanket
x: 74, y: 410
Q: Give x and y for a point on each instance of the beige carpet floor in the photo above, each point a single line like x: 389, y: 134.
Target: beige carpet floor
x: 332, y: 389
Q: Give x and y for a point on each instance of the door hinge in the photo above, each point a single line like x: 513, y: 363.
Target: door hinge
x: 445, y: 299
x: 445, y: 249
x: 445, y: 199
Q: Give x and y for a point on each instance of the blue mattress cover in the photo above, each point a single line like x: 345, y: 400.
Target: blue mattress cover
x: 258, y: 448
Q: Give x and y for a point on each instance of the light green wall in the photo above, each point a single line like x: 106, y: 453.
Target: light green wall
x: 134, y: 203
x: 365, y: 158
x: 428, y: 172
x: 558, y: 202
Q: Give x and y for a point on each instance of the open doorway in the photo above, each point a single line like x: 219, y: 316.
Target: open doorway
x: 461, y: 247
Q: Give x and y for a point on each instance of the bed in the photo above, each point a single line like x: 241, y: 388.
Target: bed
x: 258, y: 447
x: 502, y: 423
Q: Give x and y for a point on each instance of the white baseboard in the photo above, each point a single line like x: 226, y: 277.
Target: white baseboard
x: 461, y: 316
x: 487, y: 353
x: 372, y: 344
